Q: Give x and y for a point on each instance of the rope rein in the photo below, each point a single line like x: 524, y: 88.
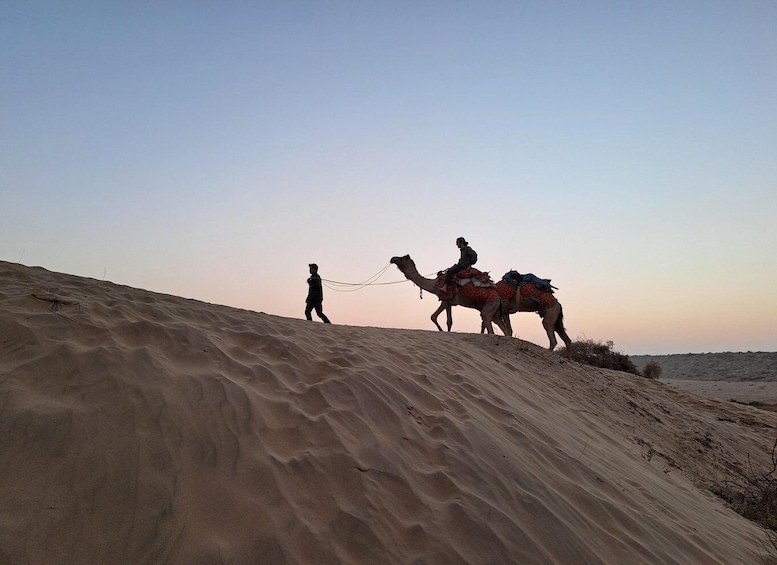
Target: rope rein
x: 353, y: 287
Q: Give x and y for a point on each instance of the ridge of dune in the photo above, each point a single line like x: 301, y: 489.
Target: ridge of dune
x: 138, y: 427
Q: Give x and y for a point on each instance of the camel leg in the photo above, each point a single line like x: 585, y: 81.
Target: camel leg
x: 502, y: 321
x: 553, y: 322
x: 491, y: 312
x: 508, y: 327
x: 485, y: 325
x: 449, y: 313
x: 504, y: 325
x: 568, y: 342
x: 498, y: 317
x: 549, y: 322
x: 504, y: 315
x: 437, y: 313
x: 561, y: 331
x: 487, y: 315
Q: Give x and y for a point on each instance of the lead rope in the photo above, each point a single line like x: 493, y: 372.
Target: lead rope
x: 352, y: 287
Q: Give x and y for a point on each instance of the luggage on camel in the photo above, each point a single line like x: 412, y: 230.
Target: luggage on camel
x: 516, y: 279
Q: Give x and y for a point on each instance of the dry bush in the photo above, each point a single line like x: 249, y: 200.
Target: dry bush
x: 600, y: 355
x: 754, y: 496
x: 652, y: 370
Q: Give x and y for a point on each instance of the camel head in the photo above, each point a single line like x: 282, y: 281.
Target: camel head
x: 404, y: 264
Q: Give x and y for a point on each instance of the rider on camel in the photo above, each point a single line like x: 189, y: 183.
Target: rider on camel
x: 467, y: 259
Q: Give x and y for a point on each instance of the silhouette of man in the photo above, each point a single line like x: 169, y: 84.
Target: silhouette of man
x: 315, y: 295
x: 467, y: 259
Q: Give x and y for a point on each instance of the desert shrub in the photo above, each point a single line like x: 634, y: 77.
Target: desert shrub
x: 652, y: 370
x: 754, y: 496
x: 600, y: 355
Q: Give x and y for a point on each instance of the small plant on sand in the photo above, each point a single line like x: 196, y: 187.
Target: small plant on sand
x: 600, y: 355
x: 652, y: 370
x: 754, y: 496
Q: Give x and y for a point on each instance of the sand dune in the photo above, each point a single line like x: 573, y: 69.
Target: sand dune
x: 144, y: 428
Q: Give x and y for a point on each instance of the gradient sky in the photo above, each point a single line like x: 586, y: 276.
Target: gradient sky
x: 211, y: 150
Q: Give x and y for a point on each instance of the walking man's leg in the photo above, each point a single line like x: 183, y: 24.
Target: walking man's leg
x: 320, y: 313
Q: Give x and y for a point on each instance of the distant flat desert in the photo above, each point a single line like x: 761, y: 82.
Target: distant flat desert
x: 748, y: 378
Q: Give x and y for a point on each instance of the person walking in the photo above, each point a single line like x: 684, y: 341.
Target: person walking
x: 467, y: 258
x: 315, y: 295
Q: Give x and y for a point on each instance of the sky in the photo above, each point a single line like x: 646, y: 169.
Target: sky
x: 625, y: 149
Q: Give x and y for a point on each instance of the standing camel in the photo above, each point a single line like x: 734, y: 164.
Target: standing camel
x: 489, y: 311
x: 546, y: 306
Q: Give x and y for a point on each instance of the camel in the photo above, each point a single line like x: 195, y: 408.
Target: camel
x: 552, y: 315
x: 511, y: 302
x: 489, y: 311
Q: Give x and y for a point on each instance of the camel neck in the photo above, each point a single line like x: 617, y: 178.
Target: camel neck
x: 412, y: 274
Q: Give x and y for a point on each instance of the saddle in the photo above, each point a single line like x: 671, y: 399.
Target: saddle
x: 532, y: 289
x: 479, y: 279
x: 516, y: 279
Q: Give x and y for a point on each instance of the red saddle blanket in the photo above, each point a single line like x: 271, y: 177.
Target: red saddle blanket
x: 473, y: 273
x: 473, y: 290
x: 528, y: 292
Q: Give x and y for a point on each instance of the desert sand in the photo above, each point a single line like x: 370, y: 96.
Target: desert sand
x: 138, y: 428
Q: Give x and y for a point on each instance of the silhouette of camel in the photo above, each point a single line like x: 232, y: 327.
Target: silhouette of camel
x: 464, y: 296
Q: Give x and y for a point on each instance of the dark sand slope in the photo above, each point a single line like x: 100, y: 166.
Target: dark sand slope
x: 144, y: 428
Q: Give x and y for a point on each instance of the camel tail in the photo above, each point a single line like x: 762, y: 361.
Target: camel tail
x: 559, y: 327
